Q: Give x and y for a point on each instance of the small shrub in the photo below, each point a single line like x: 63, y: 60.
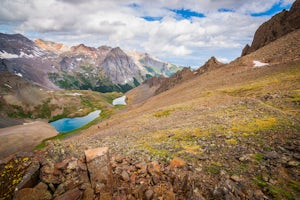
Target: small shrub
x: 163, y: 113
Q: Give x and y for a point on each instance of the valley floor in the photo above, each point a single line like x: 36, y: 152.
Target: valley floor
x: 24, y: 137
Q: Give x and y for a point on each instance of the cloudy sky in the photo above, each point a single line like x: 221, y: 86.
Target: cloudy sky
x: 184, y: 32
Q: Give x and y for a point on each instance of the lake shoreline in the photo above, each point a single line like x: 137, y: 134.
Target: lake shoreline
x: 66, y: 125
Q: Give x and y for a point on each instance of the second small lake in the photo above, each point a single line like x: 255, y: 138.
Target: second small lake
x: 69, y: 124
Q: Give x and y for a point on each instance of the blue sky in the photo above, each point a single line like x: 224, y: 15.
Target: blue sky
x: 277, y: 7
x: 181, y: 32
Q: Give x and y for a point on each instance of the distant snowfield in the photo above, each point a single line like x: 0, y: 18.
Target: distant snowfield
x: 119, y: 101
x: 257, y: 63
x: 74, y: 94
x: 36, y: 53
x: 8, y: 55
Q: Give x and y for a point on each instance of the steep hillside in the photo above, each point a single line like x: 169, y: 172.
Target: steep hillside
x: 278, y: 26
x: 162, y: 84
x: 239, y: 130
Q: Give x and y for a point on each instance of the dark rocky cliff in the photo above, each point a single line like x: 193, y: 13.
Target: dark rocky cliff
x: 278, y: 26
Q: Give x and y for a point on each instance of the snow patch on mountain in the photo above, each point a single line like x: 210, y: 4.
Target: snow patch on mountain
x: 4, y: 54
x: 257, y: 63
x: 18, y: 74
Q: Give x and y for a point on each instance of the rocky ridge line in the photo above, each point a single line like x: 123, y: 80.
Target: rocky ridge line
x: 278, y: 26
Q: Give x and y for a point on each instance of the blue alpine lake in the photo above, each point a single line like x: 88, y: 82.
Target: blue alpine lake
x: 69, y: 124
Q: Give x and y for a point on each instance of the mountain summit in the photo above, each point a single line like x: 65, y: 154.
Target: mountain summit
x: 278, y: 26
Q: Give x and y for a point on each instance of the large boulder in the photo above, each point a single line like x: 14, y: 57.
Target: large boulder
x: 99, y: 169
x: 39, y: 192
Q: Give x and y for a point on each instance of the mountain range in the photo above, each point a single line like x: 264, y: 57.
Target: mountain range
x: 54, y: 65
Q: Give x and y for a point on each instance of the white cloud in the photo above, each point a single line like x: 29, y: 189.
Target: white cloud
x: 119, y: 23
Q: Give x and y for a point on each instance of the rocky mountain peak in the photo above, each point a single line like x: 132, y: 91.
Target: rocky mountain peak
x: 278, y: 26
x: 211, y: 64
x: 52, y: 46
x: 15, y: 37
x: 83, y: 49
x: 120, y: 67
x: 16, y: 46
x: 104, y: 48
x: 117, y: 50
x: 213, y: 61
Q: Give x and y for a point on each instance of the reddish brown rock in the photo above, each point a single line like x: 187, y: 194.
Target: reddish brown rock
x: 177, y: 162
x: 91, y: 154
x: 149, y: 194
x: 49, y: 175
x: 118, y: 159
x: 98, y: 164
x: 88, y: 194
x: 124, y: 176
x: 62, y: 165
x: 40, y: 192
x: 74, y: 194
x: 142, y: 167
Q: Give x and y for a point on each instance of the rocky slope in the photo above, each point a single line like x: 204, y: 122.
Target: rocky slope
x: 278, y: 26
x: 186, y: 74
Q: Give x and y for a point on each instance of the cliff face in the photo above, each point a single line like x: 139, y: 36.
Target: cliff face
x: 278, y: 26
x: 113, y: 67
